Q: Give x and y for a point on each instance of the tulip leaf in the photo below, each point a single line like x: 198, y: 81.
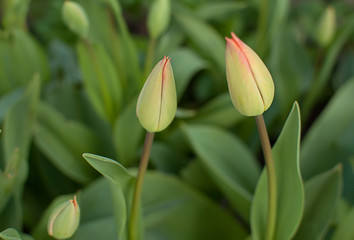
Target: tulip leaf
x: 186, y: 63
x: 63, y: 142
x: 165, y: 158
x: 206, y: 38
x: 11, y: 179
x: 174, y: 210
x: 19, y: 121
x: 230, y: 164
x: 7, y: 101
x: 218, y: 111
x: 290, y: 192
x: 100, y: 228
x: 273, y: 14
x: 219, y: 10
x: 108, y: 27
x: 195, y: 175
x: 10, y: 234
x: 344, y: 230
x: 16, y: 136
x: 322, y: 193
x: 23, y: 53
x: 127, y: 134
x: 291, y: 75
x: 122, y: 188
x: 324, y: 143
x: 101, y: 80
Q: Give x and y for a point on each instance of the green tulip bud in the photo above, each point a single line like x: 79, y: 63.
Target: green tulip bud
x: 159, y: 18
x: 250, y: 84
x: 326, y: 27
x: 64, y: 220
x: 75, y: 18
x: 157, y: 102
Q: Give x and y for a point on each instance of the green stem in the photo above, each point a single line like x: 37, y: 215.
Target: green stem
x: 272, y: 185
x: 144, y: 161
x: 149, y: 58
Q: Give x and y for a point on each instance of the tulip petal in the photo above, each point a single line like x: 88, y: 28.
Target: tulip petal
x: 157, y: 101
x: 243, y: 89
x: 250, y: 83
x: 260, y: 72
x: 169, y: 96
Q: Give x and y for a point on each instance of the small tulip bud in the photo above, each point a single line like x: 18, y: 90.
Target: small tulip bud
x: 159, y: 18
x: 64, y: 220
x: 250, y: 84
x: 157, y: 102
x: 326, y: 27
x: 75, y: 18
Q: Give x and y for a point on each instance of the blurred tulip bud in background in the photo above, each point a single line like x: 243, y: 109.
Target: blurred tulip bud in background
x: 157, y: 103
x: 64, y: 220
x: 75, y: 18
x: 326, y: 27
x: 250, y: 84
x: 159, y: 18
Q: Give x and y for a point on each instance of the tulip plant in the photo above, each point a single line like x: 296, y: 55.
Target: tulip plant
x: 97, y: 143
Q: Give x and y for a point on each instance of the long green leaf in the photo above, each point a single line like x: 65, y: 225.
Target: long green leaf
x: 101, y: 80
x: 218, y: 111
x: 323, y: 143
x: 186, y: 63
x: 345, y: 230
x: 127, y: 134
x: 229, y: 163
x: 63, y: 142
x: 322, y: 193
x: 174, y: 211
x: 10, y: 234
x: 206, y: 38
x: 290, y: 192
x: 19, y: 121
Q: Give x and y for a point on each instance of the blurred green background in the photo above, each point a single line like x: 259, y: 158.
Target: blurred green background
x: 62, y: 95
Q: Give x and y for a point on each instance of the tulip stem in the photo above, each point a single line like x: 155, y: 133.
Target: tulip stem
x: 149, y: 57
x: 144, y: 161
x: 272, y: 186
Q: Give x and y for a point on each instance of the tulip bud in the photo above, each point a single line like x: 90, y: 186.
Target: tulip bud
x: 326, y: 27
x: 64, y: 220
x: 250, y: 84
x: 159, y: 18
x: 75, y: 18
x: 157, y: 102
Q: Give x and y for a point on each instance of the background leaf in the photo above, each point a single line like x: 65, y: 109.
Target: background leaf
x: 321, y: 149
x: 63, y: 142
x: 322, y: 193
x: 10, y: 234
x: 344, y: 230
x: 101, y: 80
x: 172, y: 210
x: 229, y: 163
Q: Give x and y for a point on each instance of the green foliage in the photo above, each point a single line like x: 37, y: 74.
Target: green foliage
x: 63, y: 95
x: 290, y: 192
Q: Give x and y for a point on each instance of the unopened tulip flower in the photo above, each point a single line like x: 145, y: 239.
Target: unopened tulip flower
x: 326, y: 27
x: 157, y: 103
x: 250, y: 84
x: 64, y: 220
x: 75, y: 18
